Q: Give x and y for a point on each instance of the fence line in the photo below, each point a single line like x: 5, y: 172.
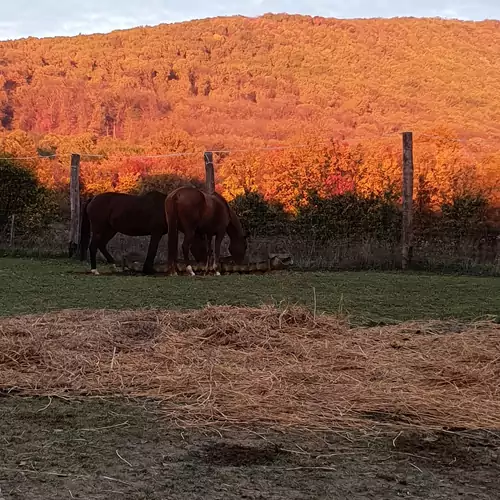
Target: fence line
x: 39, y: 157
x: 245, y: 150
x: 407, y: 178
x: 406, y: 173
x: 166, y: 155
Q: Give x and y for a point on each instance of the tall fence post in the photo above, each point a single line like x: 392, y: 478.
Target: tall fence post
x: 209, y: 172
x: 12, y: 229
x: 74, y: 196
x: 407, y: 200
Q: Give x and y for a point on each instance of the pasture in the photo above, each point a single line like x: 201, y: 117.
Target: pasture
x: 38, y: 286
x: 126, y: 386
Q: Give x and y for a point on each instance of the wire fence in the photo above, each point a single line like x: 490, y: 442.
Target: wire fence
x: 330, y: 236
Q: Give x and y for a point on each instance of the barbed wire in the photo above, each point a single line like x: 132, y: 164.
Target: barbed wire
x: 38, y: 157
x: 453, y: 139
x: 169, y: 155
x: 241, y: 150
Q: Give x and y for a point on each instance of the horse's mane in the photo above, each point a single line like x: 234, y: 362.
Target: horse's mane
x: 235, y: 222
x: 221, y: 198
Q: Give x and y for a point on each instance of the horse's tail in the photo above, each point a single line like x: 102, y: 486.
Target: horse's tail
x: 173, y: 236
x: 85, y: 231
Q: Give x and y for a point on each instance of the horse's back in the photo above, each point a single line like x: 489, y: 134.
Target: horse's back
x: 126, y: 199
x: 129, y: 214
x: 189, y: 202
x: 187, y: 195
x: 208, y: 212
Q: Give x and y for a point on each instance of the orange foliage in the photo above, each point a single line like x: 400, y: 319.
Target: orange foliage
x: 335, y: 87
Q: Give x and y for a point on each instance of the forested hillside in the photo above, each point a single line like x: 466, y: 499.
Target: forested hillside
x: 238, y: 83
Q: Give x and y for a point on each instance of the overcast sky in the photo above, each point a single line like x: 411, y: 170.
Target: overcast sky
x: 22, y: 18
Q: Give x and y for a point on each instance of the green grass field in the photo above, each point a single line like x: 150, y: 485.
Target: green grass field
x: 34, y: 286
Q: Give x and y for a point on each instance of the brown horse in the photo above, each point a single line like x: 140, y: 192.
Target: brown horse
x: 192, y: 211
x: 106, y: 214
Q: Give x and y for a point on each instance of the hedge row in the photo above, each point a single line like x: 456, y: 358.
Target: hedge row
x: 342, y: 216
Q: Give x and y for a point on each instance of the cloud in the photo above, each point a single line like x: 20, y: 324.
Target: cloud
x: 69, y: 17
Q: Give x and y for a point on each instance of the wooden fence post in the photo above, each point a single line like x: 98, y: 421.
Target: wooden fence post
x: 209, y: 172
x: 74, y: 197
x: 12, y: 229
x: 407, y: 199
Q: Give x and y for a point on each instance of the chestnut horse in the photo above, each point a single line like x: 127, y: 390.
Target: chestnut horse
x: 106, y: 214
x: 191, y: 211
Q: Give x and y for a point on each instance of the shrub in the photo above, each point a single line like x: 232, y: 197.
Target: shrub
x: 21, y: 195
x: 349, y: 215
x: 259, y: 217
x: 165, y: 183
x: 464, y: 215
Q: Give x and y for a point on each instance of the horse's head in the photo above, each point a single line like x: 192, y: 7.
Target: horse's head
x: 237, y: 236
x: 238, y: 248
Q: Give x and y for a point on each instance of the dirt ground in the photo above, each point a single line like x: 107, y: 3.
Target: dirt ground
x: 97, y: 449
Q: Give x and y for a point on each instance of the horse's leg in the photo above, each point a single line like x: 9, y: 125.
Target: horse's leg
x: 203, y: 239
x: 94, y: 245
x: 210, y: 252
x: 103, y: 241
x: 173, y: 235
x: 154, y: 241
x: 218, y: 242
x: 186, y: 244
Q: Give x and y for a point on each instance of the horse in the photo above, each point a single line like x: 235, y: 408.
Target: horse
x: 109, y: 213
x: 191, y: 211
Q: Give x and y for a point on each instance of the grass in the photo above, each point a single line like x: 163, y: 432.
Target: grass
x: 35, y: 286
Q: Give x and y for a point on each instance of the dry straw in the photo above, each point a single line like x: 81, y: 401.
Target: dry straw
x: 286, y: 368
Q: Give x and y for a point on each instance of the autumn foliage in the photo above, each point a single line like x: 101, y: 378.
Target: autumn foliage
x: 338, y: 91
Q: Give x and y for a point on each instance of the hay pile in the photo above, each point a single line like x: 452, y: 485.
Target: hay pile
x: 262, y: 365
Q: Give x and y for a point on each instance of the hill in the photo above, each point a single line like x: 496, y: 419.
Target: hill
x: 235, y: 81
x: 264, y: 78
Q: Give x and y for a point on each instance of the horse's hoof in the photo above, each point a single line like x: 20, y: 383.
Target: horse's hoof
x: 148, y: 271
x: 95, y: 272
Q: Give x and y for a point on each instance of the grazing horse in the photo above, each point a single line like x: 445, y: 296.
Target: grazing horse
x: 106, y: 214
x: 191, y: 211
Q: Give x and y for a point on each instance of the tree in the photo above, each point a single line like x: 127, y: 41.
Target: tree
x: 21, y: 195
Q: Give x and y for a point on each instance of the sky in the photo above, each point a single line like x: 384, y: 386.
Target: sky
x: 40, y: 18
